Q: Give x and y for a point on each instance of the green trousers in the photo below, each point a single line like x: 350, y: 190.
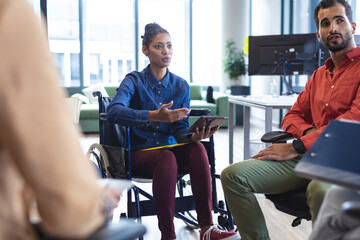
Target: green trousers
x: 242, y: 180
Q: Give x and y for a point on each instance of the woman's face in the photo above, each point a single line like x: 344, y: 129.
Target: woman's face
x: 159, y: 51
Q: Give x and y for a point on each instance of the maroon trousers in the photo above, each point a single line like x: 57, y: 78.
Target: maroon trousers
x: 162, y: 166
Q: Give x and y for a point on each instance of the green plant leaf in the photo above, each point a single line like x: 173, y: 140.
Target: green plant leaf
x: 234, y: 63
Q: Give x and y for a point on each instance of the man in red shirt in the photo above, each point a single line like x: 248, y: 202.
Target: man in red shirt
x: 332, y: 92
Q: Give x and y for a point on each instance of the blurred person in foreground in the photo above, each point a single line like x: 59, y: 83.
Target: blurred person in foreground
x: 40, y: 155
x: 339, y: 215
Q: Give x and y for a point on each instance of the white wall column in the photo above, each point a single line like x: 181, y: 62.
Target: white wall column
x: 235, y: 26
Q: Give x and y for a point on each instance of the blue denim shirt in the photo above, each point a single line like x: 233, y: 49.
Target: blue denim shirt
x: 141, y: 92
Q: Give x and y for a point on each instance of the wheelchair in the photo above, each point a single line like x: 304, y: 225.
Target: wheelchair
x: 113, y: 157
x: 293, y: 202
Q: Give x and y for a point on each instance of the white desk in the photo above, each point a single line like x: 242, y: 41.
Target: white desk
x: 266, y: 102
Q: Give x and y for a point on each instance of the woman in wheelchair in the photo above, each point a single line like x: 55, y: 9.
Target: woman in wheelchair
x: 155, y: 102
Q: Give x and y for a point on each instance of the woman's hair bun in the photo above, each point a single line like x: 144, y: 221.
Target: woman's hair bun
x: 151, y: 30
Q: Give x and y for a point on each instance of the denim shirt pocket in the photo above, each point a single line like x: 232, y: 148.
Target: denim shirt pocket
x: 147, y: 105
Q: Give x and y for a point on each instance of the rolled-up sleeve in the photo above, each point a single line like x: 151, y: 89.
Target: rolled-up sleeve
x: 299, y: 118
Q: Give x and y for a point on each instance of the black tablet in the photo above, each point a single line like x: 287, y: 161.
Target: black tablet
x: 207, y: 121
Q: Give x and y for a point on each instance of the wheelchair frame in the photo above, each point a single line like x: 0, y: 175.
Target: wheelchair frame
x: 183, y: 204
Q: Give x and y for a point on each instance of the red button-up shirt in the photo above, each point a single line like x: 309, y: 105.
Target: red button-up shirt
x: 326, y: 97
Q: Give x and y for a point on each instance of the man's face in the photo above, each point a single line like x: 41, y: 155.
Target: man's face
x: 335, y: 30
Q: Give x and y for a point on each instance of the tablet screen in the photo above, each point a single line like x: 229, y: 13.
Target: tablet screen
x: 207, y: 121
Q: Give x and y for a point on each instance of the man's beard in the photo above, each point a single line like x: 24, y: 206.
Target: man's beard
x: 345, y: 41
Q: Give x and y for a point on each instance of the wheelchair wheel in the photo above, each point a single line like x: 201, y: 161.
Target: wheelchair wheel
x: 97, y: 154
x: 184, y: 188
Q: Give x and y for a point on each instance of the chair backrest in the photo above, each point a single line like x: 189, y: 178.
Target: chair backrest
x: 74, y: 104
x: 115, y: 139
x: 110, y: 134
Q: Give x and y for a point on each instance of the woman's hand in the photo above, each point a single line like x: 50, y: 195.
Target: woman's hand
x: 203, y: 133
x: 277, y: 152
x: 163, y: 114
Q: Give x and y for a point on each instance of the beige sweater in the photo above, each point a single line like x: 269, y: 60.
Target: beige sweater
x: 40, y: 154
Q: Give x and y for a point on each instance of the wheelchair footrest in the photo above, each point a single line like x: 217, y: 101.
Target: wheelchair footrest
x: 147, y: 206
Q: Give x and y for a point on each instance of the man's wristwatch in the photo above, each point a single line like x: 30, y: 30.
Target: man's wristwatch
x: 298, y: 145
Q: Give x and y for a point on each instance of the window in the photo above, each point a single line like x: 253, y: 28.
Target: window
x: 109, y: 44
x: 96, y: 69
x: 170, y: 15
x: 98, y: 41
x: 303, y: 22
x: 356, y: 11
x: 206, y: 39
x: 302, y: 17
x: 59, y: 63
x: 108, y: 39
x: 75, y: 69
x: 63, y: 30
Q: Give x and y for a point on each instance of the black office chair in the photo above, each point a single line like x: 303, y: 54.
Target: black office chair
x: 293, y: 202
x: 113, y: 156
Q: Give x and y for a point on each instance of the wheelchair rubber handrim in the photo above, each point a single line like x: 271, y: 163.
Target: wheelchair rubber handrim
x: 103, y: 154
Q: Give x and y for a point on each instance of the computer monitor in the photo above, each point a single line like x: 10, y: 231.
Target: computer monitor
x: 293, y: 54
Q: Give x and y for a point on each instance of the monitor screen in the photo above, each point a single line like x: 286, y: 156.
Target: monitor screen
x: 293, y: 54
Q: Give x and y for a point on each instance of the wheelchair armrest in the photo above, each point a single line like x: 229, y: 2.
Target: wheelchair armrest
x: 97, y: 94
x: 103, y: 116
x: 276, y: 137
x: 200, y: 112
x: 352, y: 208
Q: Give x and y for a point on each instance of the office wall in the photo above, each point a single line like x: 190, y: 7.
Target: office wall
x: 243, y: 18
x: 235, y: 26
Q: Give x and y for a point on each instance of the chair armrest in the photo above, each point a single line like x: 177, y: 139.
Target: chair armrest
x: 103, y: 116
x: 276, y: 137
x: 97, y: 94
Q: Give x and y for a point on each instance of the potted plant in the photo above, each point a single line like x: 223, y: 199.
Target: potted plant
x: 234, y: 63
x: 235, y: 67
